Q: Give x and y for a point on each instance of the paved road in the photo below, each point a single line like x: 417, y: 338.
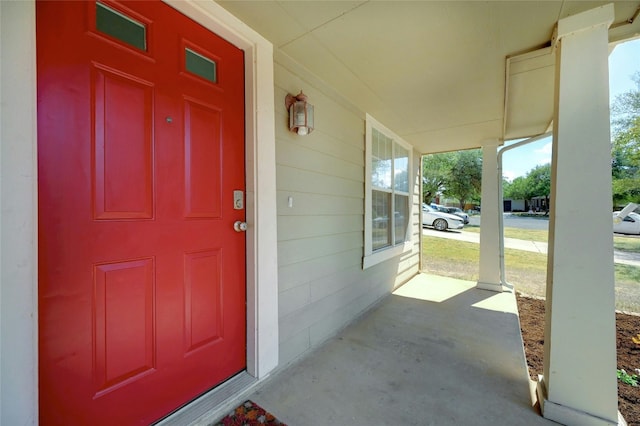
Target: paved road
x: 625, y: 258
x: 513, y: 221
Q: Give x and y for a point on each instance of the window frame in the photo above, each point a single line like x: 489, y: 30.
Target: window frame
x: 373, y: 257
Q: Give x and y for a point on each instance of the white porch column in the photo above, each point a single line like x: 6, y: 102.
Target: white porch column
x: 579, y: 382
x: 489, y: 278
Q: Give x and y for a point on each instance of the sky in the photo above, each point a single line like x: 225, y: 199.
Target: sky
x: 624, y: 61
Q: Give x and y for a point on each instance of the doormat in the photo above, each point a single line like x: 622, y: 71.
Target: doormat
x: 249, y: 414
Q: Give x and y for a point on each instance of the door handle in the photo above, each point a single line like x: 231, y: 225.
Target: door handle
x: 240, y: 226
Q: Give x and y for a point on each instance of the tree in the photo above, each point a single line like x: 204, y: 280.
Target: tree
x: 625, y: 146
x: 518, y: 189
x: 539, y: 182
x: 435, y: 172
x: 465, y: 177
x: 453, y: 174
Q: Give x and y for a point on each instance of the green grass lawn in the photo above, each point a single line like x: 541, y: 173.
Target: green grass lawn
x: 626, y: 244
x: 521, y: 234
x: 527, y: 271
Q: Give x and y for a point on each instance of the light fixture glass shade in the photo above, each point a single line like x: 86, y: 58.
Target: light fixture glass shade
x: 309, y: 109
x: 300, y: 115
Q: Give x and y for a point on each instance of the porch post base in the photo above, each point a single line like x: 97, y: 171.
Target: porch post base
x: 567, y: 415
x: 490, y: 286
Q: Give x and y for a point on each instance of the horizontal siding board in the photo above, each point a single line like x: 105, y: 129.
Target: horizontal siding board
x: 406, y: 275
x: 311, y: 314
x: 341, y: 317
x: 327, y: 144
x: 298, y: 297
x: 294, y: 251
x: 327, y: 326
x: 412, y: 252
x: 299, y: 227
x: 293, y: 299
x: 405, y: 265
x: 374, y: 282
x: 327, y: 286
x: 317, y: 204
x: 323, y: 139
x: 301, y: 180
x: 293, y: 347
x: 345, y: 314
x: 383, y: 272
x: 314, y: 269
x: 294, y: 155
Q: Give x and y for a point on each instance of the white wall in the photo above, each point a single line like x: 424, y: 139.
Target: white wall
x: 18, y: 216
x: 322, y: 286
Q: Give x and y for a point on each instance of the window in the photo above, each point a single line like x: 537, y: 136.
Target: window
x: 200, y: 65
x: 388, y: 194
x: 110, y: 21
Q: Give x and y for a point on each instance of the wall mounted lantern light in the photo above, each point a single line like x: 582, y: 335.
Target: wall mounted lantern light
x: 300, y: 114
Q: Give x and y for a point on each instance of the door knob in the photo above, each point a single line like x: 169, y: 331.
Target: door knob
x: 240, y: 226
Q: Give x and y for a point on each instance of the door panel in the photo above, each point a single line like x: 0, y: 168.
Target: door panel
x: 142, y: 277
x: 124, y: 344
x: 203, y: 180
x: 203, y: 301
x: 123, y: 155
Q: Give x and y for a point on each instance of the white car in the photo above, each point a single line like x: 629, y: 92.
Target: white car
x: 629, y: 225
x: 439, y: 220
x: 458, y: 212
x: 453, y: 210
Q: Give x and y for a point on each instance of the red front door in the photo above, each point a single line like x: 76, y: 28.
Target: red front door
x: 140, y: 150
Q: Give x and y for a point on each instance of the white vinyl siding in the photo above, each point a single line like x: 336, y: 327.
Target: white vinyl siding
x: 322, y: 286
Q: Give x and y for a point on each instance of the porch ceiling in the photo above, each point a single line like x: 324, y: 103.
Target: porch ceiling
x: 433, y: 71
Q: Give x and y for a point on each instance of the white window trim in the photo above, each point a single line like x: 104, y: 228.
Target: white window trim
x: 370, y: 257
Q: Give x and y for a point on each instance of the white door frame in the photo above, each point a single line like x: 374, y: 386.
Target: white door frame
x: 262, y: 265
x: 19, y: 210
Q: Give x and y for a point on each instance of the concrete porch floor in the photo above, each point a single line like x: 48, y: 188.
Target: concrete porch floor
x: 437, y: 351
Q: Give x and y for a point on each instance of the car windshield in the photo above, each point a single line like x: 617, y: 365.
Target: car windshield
x: 632, y: 217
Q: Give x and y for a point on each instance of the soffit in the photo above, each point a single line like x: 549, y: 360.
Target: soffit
x: 433, y: 71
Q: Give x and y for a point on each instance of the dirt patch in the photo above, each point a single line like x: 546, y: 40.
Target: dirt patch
x: 532, y: 324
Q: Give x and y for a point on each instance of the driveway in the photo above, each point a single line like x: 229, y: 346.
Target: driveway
x: 620, y: 257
